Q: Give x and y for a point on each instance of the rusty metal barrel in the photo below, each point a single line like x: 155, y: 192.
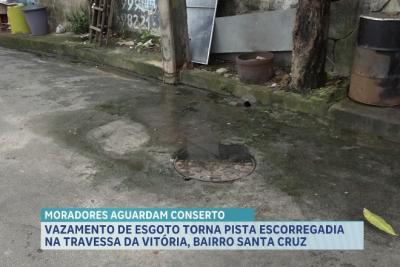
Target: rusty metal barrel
x: 375, y: 78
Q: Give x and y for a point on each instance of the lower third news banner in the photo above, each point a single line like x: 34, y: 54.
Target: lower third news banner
x: 190, y: 229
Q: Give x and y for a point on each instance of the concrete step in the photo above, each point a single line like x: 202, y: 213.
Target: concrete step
x: 384, y: 122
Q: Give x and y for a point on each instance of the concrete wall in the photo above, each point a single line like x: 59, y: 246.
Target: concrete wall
x: 344, y: 22
x: 132, y: 15
x: 343, y: 29
x: 59, y: 10
x: 138, y: 15
x: 235, y: 7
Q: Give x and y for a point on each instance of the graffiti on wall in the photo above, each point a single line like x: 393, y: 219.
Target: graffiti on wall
x: 141, y: 15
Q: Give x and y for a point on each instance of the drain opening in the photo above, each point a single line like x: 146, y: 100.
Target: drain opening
x: 229, y: 163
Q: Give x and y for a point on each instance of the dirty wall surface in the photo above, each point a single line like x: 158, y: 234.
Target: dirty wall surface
x: 133, y: 16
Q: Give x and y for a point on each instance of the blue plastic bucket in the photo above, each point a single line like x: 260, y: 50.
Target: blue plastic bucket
x: 37, y: 20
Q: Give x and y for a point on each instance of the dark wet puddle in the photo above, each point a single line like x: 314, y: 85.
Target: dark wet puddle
x: 229, y: 162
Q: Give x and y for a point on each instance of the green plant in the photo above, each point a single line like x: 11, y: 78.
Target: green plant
x: 124, y: 31
x: 145, y: 36
x: 79, y: 20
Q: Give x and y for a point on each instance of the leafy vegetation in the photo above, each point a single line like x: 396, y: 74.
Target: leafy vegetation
x: 79, y: 20
x: 146, y: 36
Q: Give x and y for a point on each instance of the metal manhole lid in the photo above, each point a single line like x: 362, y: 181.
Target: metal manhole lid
x: 233, y: 162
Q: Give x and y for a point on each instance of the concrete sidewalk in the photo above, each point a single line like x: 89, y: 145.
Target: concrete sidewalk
x: 380, y: 121
x: 150, y: 65
x: 328, y: 103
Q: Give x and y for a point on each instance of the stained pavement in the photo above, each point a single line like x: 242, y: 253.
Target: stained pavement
x: 50, y: 157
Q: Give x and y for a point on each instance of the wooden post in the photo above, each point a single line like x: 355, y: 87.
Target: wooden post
x: 310, y: 40
x: 174, y: 38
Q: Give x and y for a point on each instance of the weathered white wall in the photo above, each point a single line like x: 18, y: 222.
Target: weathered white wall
x: 344, y: 22
x: 143, y: 14
x: 269, y: 4
x: 382, y: 5
x: 59, y: 10
x: 132, y: 15
x: 343, y: 29
x: 232, y: 7
x: 139, y: 15
x: 235, y: 7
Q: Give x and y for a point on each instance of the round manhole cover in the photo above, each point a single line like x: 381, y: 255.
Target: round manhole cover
x: 227, y: 163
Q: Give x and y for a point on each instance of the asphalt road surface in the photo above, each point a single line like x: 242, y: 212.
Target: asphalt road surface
x: 73, y: 135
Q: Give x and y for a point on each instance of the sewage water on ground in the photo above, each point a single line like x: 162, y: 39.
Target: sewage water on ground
x: 229, y: 163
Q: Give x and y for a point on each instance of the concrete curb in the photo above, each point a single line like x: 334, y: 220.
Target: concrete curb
x: 68, y: 46
x: 318, y: 103
x: 326, y: 102
x: 150, y: 65
x: 384, y: 122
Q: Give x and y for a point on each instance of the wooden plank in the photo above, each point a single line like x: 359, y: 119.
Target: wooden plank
x: 103, y: 20
x: 98, y: 8
x: 95, y: 28
x: 98, y: 21
x: 110, y: 21
x: 92, y: 21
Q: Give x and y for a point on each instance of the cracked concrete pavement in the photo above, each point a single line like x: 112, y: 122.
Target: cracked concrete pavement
x: 55, y: 118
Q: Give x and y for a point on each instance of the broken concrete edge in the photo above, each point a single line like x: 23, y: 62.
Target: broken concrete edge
x: 317, y: 103
x: 150, y: 65
x: 378, y: 121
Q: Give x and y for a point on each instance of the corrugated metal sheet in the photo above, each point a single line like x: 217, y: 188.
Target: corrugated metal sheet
x: 201, y: 18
